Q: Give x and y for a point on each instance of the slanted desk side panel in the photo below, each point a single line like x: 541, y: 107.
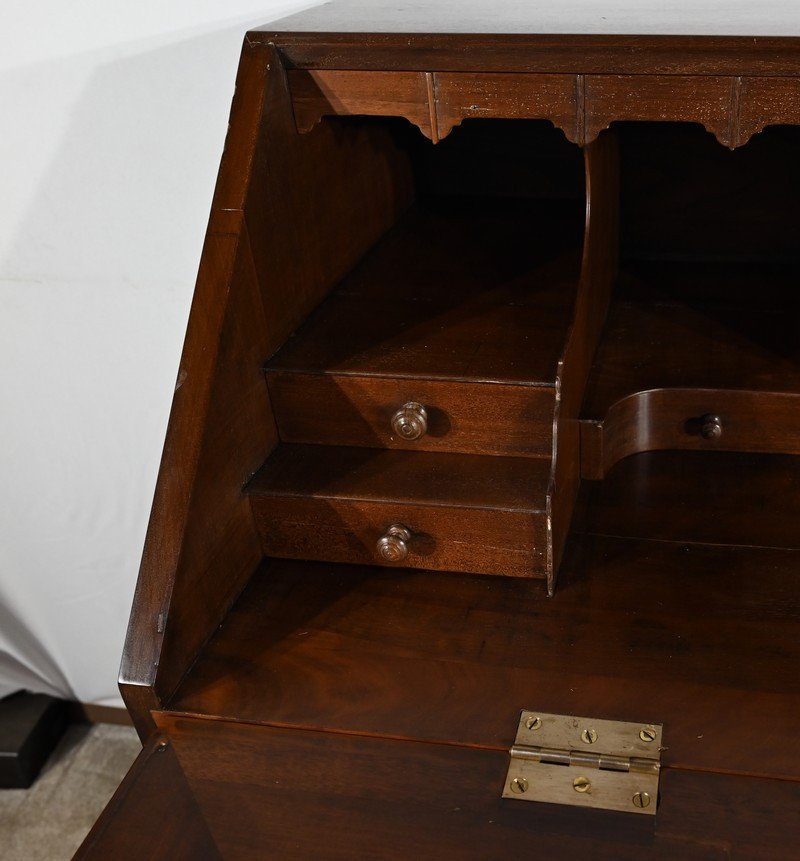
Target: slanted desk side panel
x: 289, y: 218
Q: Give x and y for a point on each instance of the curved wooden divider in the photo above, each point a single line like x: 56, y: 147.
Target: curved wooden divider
x: 662, y: 419
x: 598, y: 274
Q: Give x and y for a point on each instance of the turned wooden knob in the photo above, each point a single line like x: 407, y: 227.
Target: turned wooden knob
x: 410, y: 421
x: 393, y: 544
x: 710, y: 426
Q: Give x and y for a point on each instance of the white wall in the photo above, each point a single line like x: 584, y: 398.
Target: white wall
x: 112, y: 120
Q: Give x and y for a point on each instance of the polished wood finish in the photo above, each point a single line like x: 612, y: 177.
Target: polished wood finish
x: 202, y: 545
x: 278, y: 793
x: 417, y: 321
x: 357, y: 410
x: 342, y: 93
x: 153, y: 814
x: 598, y: 273
x: 465, y: 513
x: 448, y: 658
x: 602, y: 54
x: 702, y: 497
x: 429, y: 300
x: 708, y: 100
x: 404, y: 217
x: 732, y: 107
x: 765, y: 102
x: 672, y: 419
x: 552, y: 97
x: 683, y: 341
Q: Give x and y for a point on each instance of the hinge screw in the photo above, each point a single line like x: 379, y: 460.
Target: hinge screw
x: 647, y: 734
x: 641, y: 799
x: 581, y: 784
x: 533, y: 723
x: 519, y: 785
x: 589, y: 736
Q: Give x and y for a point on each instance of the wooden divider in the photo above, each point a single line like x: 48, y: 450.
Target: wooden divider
x: 598, y: 274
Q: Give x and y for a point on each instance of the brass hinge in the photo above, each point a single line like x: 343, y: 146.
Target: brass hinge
x: 611, y: 765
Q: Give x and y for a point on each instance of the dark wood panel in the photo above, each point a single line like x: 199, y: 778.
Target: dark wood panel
x: 464, y: 513
x: 418, y: 478
x: 288, y: 794
x: 767, y: 101
x: 443, y: 538
x: 694, y: 420
x: 335, y: 93
x: 701, y: 496
x: 471, y: 418
x: 225, y: 287
x: 705, y: 326
x: 598, y: 274
x: 201, y: 545
x: 660, y: 632
x: 316, y: 203
x: 267, y: 261
x: 707, y: 100
x: 460, y: 290
x: 468, y: 96
x: 152, y: 815
x: 600, y: 54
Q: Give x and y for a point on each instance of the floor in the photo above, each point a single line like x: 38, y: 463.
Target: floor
x: 48, y: 821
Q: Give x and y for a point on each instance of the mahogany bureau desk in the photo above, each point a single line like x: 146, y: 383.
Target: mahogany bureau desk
x: 477, y: 530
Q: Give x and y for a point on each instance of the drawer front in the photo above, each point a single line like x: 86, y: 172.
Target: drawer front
x: 471, y: 418
x: 691, y: 420
x: 474, y: 541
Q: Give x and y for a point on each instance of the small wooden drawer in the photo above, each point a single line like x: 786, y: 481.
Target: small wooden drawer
x: 692, y: 420
x: 472, y: 418
x: 450, y: 512
x: 463, y: 309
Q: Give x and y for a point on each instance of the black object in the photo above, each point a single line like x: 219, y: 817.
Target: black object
x: 30, y: 727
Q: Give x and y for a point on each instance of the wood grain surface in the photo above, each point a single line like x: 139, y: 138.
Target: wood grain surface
x: 465, y: 513
x: 467, y: 418
x: 269, y: 792
x: 598, y: 276
x: 153, y: 814
x: 669, y: 631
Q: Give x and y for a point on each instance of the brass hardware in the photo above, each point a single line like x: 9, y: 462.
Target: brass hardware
x: 624, y: 763
x: 519, y: 785
x: 410, y: 422
x: 393, y: 544
x: 710, y: 426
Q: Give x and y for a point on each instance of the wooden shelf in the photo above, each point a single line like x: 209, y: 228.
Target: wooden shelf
x: 461, y: 289
x: 688, y: 342
x: 727, y: 325
x: 711, y: 497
